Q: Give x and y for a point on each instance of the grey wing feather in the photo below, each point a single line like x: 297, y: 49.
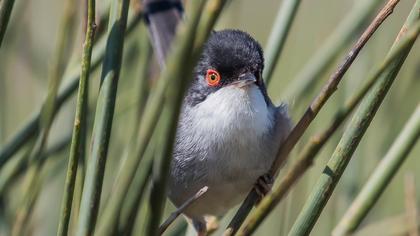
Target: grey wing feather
x: 283, y: 125
x: 283, y: 121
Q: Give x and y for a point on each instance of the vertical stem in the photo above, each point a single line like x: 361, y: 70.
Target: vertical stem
x: 278, y: 36
x: 109, y: 220
x: 181, y: 49
x: 134, y: 199
x: 79, y: 129
x: 173, y: 97
x: 134, y: 196
x: 103, y: 118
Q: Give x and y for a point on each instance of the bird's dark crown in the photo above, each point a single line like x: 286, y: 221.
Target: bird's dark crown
x: 231, y: 53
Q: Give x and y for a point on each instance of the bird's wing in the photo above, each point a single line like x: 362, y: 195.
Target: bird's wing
x: 162, y: 18
x: 283, y: 123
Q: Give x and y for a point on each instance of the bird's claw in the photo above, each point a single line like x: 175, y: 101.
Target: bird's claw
x: 263, y: 186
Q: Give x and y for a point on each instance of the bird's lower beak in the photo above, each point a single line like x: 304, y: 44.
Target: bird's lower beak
x: 245, y: 80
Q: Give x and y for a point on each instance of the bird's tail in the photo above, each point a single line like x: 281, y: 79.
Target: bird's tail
x: 162, y: 18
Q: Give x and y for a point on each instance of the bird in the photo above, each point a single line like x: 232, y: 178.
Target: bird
x: 229, y: 130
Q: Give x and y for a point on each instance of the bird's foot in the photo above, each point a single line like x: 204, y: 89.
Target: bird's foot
x: 263, y: 186
x: 207, y: 226
x: 212, y: 224
x: 200, y: 227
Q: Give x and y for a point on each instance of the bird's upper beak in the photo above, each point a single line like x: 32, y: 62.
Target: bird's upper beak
x: 244, y: 80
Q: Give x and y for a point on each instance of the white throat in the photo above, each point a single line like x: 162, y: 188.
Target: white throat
x: 232, y: 113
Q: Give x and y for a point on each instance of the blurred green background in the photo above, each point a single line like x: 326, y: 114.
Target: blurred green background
x: 25, y: 59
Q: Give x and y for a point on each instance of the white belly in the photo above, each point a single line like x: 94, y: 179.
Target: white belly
x: 223, y: 145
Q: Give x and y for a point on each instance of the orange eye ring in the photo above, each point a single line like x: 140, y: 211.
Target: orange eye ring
x: 212, y: 77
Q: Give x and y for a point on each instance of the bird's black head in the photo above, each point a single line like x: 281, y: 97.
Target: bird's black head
x: 230, y: 57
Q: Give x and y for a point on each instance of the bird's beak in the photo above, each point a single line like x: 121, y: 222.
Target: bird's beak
x: 244, y: 80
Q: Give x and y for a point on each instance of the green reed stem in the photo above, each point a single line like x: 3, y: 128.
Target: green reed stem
x: 334, y: 44
x: 309, y: 152
x: 103, y: 118
x: 381, y: 177
x: 151, y: 113
x: 310, y: 114
x: 108, y: 223
x: 77, y: 146
x: 350, y: 140
x: 278, y: 36
x: 20, y: 165
x: 59, y: 61
x: 133, y: 199
x: 31, y: 127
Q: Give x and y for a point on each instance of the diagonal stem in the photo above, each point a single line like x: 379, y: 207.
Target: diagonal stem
x: 311, y: 113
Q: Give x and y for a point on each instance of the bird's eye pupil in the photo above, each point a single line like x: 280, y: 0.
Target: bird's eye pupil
x: 212, y: 77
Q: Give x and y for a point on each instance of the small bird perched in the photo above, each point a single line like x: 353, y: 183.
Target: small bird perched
x: 229, y: 131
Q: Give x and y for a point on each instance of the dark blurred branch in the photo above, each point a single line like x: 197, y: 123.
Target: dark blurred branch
x: 6, y: 7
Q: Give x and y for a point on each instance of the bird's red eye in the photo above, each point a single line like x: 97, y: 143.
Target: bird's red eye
x: 212, y: 77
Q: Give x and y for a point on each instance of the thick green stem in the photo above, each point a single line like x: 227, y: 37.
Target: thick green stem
x: 103, y: 118
x: 349, y: 141
x: 134, y: 197
x: 136, y: 194
x: 381, y: 177
x: 172, y: 108
x: 154, y: 108
x: 154, y: 105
